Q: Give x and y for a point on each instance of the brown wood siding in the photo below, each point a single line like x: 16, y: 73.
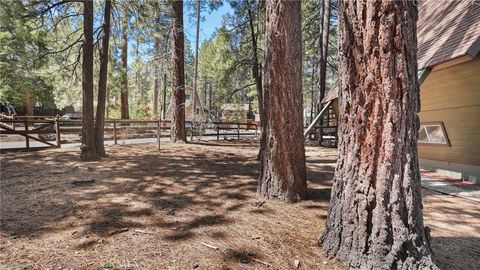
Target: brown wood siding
x: 452, y: 96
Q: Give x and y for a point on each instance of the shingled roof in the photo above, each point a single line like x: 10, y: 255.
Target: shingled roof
x: 447, y: 29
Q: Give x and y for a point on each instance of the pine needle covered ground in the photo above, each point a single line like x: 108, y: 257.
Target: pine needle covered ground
x: 191, y: 206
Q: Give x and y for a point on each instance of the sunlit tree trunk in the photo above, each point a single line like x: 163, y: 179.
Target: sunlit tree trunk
x: 124, y: 69
x: 88, y: 151
x: 283, y: 173
x: 177, y: 132
x: 375, y: 218
x: 102, y: 82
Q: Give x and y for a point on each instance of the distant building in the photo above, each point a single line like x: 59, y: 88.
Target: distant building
x: 449, y: 77
x: 201, y: 114
x: 235, y: 112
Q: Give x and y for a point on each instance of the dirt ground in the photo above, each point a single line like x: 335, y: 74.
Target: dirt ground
x: 149, y: 209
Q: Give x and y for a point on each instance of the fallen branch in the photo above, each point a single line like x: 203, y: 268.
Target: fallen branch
x: 210, y: 246
x: 118, y: 231
x: 258, y: 261
x: 142, y: 231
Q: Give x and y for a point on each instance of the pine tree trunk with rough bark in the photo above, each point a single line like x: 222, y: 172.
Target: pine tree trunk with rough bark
x: 283, y: 172
x: 125, y: 114
x: 102, y: 82
x: 88, y: 151
x: 375, y: 218
x: 177, y: 131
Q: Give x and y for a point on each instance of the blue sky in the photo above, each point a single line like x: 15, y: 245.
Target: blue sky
x: 208, y: 26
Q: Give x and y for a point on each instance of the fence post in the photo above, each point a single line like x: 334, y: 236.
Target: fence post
x: 256, y: 130
x: 27, y: 140
x: 57, y: 130
x: 238, y: 131
x: 114, y: 131
x: 159, y: 123
x: 218, y: 131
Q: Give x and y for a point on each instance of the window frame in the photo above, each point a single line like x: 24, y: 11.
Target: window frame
x: 442, y: 126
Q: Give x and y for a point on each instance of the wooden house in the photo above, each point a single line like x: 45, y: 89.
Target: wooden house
x: 231, y: 112
x: 449, y: 76
x: 201, y: 114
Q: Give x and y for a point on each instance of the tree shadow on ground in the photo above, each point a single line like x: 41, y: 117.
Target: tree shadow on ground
x: 183, y: 193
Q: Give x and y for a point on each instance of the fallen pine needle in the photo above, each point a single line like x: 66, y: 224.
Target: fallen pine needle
x: 210, y: 246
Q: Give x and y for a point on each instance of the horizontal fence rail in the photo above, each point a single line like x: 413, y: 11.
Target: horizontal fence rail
x: 54, y: 131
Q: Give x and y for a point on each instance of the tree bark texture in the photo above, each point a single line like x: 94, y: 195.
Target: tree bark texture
x: 88, y: 151
x: 102, y: 82
x: 375, y: 218
x: 124, y: 70
x: 177, y: 131
x: 283, y: 173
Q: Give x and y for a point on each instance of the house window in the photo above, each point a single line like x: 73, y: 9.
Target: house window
x: 432, y: 133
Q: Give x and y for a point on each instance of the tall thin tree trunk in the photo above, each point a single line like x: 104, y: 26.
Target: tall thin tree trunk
x: 209, y: 97
x: 257, y: 77
x: 177, y: 131
x: 88, y: 151
x: 312, y: 91
x: 28, y: 102
x: 375, y: 219
x: 195, y: 79
x: 283, y: 172
x: 102, y: 82
x: 164, y: 99
x: 205, y: 83
x: 323, y: 53
x: 124, y: 70
x: 107, y: 108
x: 156, y: 81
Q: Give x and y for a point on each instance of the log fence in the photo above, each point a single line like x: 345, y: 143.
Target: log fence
x: 52, y: 132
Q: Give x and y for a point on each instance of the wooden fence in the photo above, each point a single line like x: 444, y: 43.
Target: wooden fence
x: 50, y: 131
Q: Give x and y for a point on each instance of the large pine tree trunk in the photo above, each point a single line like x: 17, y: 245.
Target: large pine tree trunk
x: 375, y: 218
x: 88, y: 151
x: 177, y: 132
x: 124, y: 69
x: 102, y: 82
x: 283, y: 173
